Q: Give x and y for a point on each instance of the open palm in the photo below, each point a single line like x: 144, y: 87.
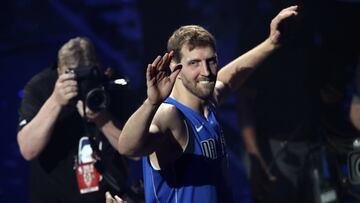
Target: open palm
x: 160, y: 79
x: 284, y: 14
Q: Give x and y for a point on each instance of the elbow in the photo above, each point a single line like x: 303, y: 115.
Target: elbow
x: 125, y: 150
x: 128, y: 153
x: 26, y: 151
x: 128, y: 150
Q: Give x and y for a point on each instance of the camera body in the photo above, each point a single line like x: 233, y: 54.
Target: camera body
x: 92, y: 87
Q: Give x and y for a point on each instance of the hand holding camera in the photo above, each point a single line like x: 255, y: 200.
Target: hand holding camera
x: 99, y: 118
x: 92, y: 85
x: 66, y: 88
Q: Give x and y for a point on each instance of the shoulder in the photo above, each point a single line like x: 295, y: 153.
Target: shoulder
x: 168, y: 116
x: 171, y: 121
x: 220, y: 92
x: 42, y: 79
x: 39, y: 88
x: 171, y: 124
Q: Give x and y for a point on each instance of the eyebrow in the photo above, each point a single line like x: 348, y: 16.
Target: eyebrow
x: 212, y: 58
x: 191, y: 60
x: 207, y: 59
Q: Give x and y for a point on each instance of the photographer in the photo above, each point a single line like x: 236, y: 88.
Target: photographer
x: 338, y: 155
x: 71, y: 150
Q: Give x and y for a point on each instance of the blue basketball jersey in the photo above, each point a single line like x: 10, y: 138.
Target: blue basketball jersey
x: 199, y: 174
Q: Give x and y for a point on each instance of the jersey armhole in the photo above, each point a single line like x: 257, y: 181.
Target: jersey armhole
x: 184, y: 150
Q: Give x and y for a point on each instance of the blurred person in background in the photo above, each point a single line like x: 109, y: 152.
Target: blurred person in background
x: 71, y: 146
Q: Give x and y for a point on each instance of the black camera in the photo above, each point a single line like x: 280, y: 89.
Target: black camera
x: 92, y: 86
x: 354, y: 163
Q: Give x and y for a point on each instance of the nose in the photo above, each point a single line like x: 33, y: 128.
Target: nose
x: 205, y: 69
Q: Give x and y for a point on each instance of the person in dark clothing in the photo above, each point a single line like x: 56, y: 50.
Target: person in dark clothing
x: 72, y: 154
x: 278, y: 115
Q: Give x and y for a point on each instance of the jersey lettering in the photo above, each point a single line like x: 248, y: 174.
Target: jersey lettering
x: 208, y: 148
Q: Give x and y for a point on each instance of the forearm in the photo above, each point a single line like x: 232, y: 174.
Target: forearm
x: 34, y: 137
x: 249, y: 138
x: 109, y: 126
x: 134, y: 136
x: 234, y: 74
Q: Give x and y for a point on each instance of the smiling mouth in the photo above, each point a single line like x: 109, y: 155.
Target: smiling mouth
x: 205, y: 81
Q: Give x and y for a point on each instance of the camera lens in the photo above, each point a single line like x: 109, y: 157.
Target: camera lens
x: 354, y: 166
x: 357, y: 167
x: 97, y: 99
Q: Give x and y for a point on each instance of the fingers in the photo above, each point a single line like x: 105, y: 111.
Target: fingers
x: 165, y: 65
x: 70, y: 87
x: 80, y: 107
x: 67, y: 84
x: 171, y: 54
x: 90, y: 115
x: 162, y: 63
x: 285, y: 13
x: 109, y: 198
x: 289, y: 11
x: 175, y: 72
x: 66, y: 76
x: 150, y: 72
x: 279, y: 24
x: 69, y: 90
x: 119, y: 200
x: 65, y: 89
x: 156, y: 61
x: 115, y: 199
x: 291, y: 8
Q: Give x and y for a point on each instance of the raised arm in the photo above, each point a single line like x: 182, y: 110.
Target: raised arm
x: 141, y: 134
x: 234, y: 74
x: 35, y: 135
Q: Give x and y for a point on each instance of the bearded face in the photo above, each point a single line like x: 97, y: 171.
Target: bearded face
x: 199, y: 70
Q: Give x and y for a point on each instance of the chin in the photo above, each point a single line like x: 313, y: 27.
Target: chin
x: 205, y: 96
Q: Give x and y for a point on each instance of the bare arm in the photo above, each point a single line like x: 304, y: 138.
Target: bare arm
x: 234, y: 74
x: 140, y: 135
x: 245, y: 109
x: 246, y: 100
x: 34, y: 136
x: 135, y: 138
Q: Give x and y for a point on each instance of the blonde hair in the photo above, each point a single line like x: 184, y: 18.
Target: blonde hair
x: 77, y: 51
x: 191, y: 35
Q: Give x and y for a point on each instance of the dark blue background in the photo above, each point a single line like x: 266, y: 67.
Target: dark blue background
x: 130, y: 33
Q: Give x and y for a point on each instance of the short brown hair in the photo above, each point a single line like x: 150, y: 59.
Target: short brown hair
x: 193, y: 36
x: 77, y: 51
